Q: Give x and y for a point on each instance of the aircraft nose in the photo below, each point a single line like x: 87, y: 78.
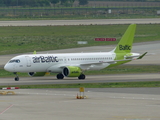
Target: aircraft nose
x: 7, y: 67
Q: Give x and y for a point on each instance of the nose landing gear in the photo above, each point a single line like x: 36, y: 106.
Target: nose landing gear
x: 16, y: 78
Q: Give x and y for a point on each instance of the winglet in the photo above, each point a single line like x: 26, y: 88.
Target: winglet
x: 140, y: 57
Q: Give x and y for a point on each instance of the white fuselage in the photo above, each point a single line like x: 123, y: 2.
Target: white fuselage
x: 56, y: 62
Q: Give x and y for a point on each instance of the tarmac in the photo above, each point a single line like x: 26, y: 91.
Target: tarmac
x: 72, y: 80
x: 100, y: 104
x: 80, y: 22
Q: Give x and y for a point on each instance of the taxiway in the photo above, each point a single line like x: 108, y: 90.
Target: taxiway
x: 89, y: 79
x: 79, y: 22
x: 101, y: 104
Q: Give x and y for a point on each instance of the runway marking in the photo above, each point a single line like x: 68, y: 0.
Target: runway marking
x: 46, y: 94
x: 111, y: 97
x: 6, y: 109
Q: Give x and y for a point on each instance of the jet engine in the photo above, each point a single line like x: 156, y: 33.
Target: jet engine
x: 72, y: 71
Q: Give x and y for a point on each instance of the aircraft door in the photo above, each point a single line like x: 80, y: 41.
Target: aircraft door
x: 28, y: 59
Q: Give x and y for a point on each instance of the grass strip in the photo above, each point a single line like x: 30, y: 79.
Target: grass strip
x: 94, y: 85
x: 15, y: 39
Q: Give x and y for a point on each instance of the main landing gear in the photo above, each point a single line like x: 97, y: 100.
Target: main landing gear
x: 61, y: 76
x: 82, y: 76
x: 16, y: 78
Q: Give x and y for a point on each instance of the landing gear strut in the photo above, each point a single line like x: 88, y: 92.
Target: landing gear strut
x: 82, y: 76
x: 16, y: 78
x: 60, y: 76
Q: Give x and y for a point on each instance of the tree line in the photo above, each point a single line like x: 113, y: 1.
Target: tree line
x: 35, y: 3
x: 129, y: 0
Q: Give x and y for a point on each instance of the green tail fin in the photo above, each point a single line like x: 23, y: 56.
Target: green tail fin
x: 125, y: 44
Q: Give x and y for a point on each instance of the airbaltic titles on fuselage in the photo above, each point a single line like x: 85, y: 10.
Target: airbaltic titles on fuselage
x: 44, y: 59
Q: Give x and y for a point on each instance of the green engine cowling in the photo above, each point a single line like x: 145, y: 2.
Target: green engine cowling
x: 72, y: 71
x: 36, y: 74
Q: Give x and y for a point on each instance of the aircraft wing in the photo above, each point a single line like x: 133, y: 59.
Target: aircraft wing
x: 109, y: 62
x: 129, y: 58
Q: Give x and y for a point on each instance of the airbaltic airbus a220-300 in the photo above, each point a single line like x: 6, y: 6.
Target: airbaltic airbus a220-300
x: 74, y: 64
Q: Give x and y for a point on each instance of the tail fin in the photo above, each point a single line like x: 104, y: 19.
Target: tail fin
x: 125, y: 44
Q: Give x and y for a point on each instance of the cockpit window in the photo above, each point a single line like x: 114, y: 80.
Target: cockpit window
x: 14, y: 61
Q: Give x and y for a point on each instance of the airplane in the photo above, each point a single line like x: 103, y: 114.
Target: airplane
x: 75, y: 64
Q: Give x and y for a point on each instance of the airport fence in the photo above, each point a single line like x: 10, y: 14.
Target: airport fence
x: 84, y: 12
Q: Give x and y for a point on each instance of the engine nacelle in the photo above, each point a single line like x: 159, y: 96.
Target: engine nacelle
x: 72, y: 71
x: 36, y: 74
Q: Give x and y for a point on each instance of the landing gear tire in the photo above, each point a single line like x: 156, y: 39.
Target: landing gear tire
x: 82, y: 76
x: 16, y: 78
x: 60, y: 76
